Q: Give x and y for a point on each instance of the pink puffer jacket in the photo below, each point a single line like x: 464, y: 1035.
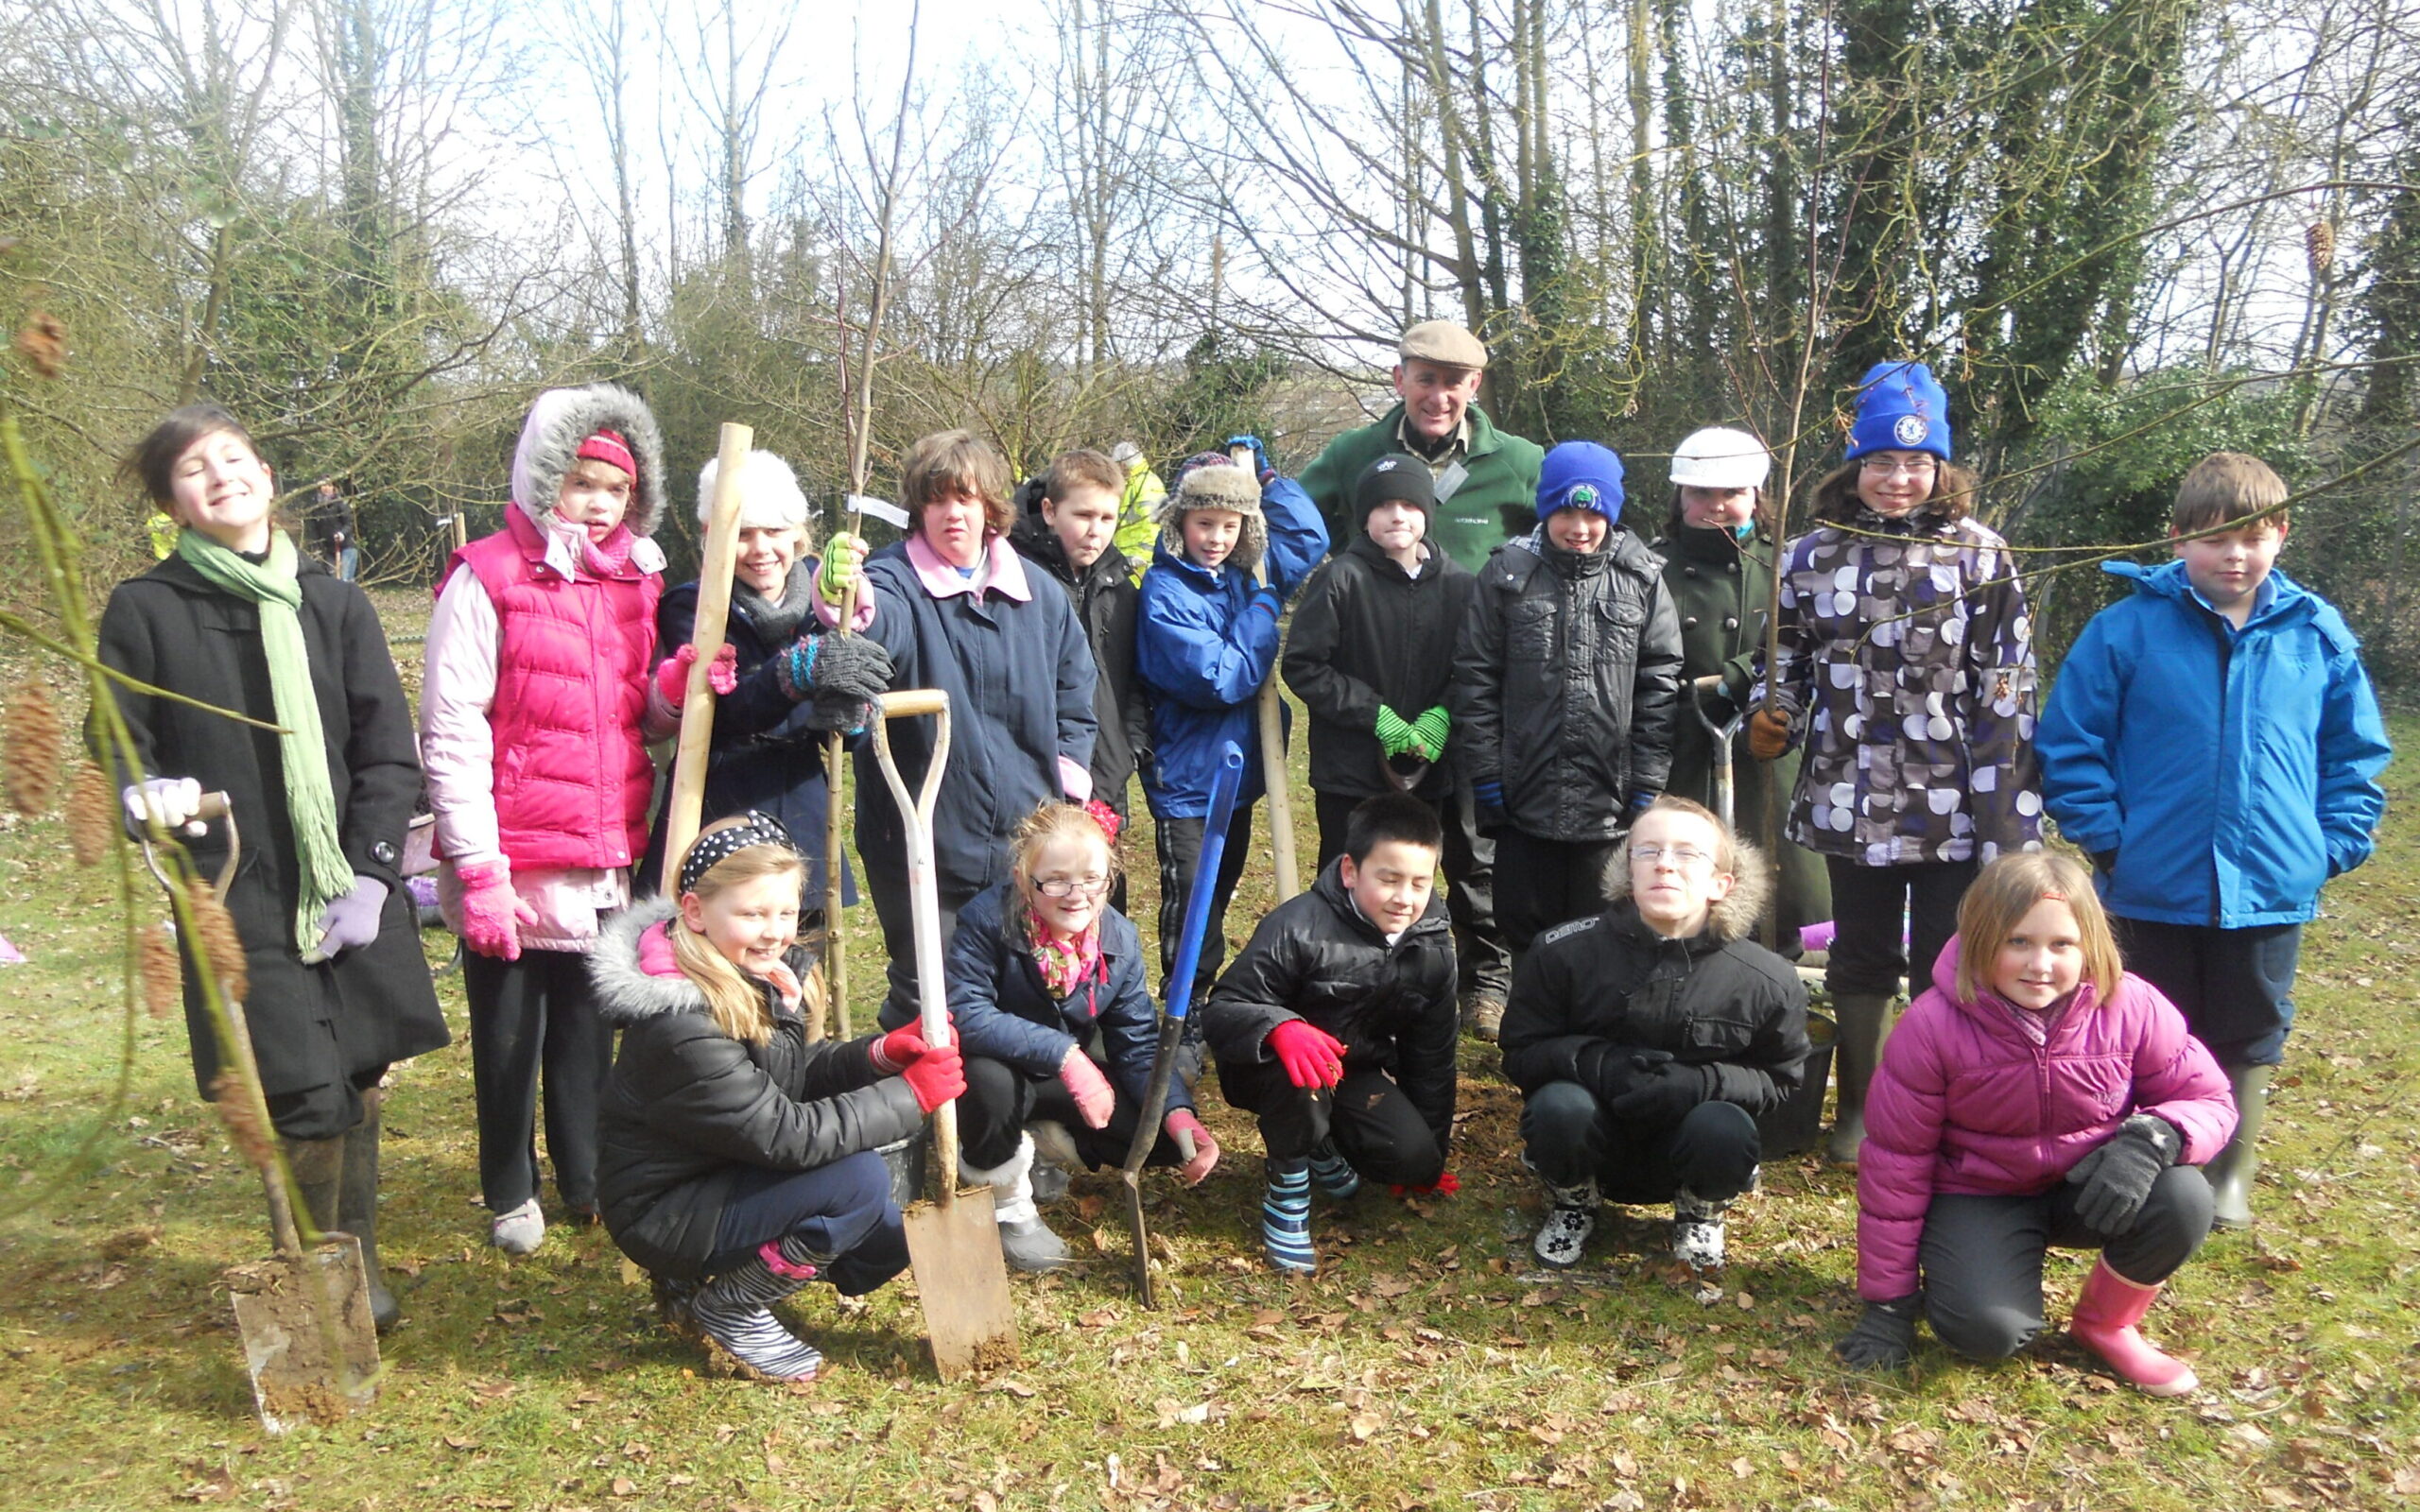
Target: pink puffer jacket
x: 1966, y: 1102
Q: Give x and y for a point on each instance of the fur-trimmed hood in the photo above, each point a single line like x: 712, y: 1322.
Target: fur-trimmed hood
x: 1731, y: 919
x: 1218, y: 486
x: 627, y: 991
x: 560, y: 420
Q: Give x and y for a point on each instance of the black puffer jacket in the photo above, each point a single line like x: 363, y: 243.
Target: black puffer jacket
x: 1593, y: 990
x: 1366, y: 633
x: 688, y: 1106
x: 1104, y: 595
x: 1315, y: 957
x: 1566, y: 682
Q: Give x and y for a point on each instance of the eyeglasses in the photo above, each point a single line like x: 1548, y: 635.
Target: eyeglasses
x: 1090, y: 887
x: 1683, y: 857
x: 1883, y: 467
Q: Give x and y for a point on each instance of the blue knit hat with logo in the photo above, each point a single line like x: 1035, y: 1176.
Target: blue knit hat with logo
x: 1900, y: 407
x: 1580, y: 476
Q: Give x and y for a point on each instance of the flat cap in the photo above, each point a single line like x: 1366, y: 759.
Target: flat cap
x: 1445, y: 343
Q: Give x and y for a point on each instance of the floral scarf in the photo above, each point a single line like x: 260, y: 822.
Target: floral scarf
x: 1066, y: 960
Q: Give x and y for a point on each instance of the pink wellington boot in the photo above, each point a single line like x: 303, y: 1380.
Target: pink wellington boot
x: 2106, y: 1312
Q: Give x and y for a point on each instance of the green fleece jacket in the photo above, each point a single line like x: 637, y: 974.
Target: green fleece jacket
x: 1500, y: 471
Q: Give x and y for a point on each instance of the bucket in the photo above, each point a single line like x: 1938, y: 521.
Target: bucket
x: 905, y: 1160
x: 1795, y: 1125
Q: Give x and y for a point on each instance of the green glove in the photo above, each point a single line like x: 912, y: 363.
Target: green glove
x: 1394, y: 737
x: 1429, y: 731
x: 843, y: 555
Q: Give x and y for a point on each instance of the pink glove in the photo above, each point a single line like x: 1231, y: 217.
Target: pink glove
x: 1312, y: 1057
x: 1094, y: 1099
x: 1183, y: 1127
x: 493, y: 913
x: 672, y: 677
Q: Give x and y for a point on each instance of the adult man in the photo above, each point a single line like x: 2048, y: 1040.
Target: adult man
x: 329, y: 528
x: 1479, y: 470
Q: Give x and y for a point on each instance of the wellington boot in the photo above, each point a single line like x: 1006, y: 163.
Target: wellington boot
x: 2106, y: 1312
x: 1864, y: 1021
x: 2232, y: 1169
x: 319, y: 1172
x: 357, y: 1206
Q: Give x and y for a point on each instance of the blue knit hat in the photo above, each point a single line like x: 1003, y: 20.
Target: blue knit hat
x: 1580, y: 476
x: 1900, y: 407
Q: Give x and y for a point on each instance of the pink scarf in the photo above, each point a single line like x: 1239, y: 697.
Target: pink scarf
x: 1065, y: 960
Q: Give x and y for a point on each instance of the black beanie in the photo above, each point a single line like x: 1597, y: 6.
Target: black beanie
x: 1396, y: 477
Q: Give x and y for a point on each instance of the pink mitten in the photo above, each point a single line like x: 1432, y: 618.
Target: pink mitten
x: 493, y: 913
x: 1181, y: 1124
x: 1088, y: 1086
x: 672, y: 677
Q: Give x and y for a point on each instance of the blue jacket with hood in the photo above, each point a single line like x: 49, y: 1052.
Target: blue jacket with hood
x: 2230, y: 773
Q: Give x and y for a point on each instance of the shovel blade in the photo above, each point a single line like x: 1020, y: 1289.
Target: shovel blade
x: 964, y: 1279
x: 309, y: 1344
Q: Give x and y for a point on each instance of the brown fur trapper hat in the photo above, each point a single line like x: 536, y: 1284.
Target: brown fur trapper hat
x: 1209, y: 481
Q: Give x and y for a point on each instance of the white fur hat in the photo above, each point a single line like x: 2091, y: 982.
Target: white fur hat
x: 769, y: 492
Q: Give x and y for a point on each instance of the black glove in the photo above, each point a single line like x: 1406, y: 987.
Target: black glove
x: 1886, y: 1335
x: 1663, y: 1092
x: 849, y: 673
x: 2105, y: 862
x: 2118, y: 1175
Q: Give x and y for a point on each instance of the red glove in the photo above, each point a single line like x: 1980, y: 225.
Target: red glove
x: 1445, y: 1185
x: 1094, y: 1101
x: 1311, y: 1055
x: 1182, y: 1125
x: 896, y: 1051
x: 934, y: 1073
x: 493, y: 913
x: 672, y: 677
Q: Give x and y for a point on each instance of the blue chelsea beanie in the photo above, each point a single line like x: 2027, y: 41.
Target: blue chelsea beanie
x: 1900, y: 407
x: 1580, y: 476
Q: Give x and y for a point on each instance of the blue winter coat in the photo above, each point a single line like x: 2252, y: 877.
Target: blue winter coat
x: 2231, y: 772
x: 1020, y: 684
x: 1203, y: 651
x: 1003, y: 1011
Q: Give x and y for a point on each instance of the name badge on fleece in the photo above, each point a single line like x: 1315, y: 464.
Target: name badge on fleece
x: 1452, y: 478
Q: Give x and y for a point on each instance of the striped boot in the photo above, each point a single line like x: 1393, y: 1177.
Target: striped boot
x: 1285, y: 1216
x: 1333, y: 1173
x: 733, y: 1310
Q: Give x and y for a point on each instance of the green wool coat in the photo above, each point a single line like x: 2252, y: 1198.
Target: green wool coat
x: 1721, y: 592
x: 1501, y: 471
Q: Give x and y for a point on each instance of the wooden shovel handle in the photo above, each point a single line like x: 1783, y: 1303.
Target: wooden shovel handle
x: 714, y: 613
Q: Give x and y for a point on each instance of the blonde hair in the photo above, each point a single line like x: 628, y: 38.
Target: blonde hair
x: 1726, y: 845
x: 1054, y: 821
x: 735, y: 1000
x: 2005, y: 892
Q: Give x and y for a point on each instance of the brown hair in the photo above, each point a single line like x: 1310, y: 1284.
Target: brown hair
x: 2005, y: 892
x: 958, y: 461
x: 2226, y: 488
x: 1952, y: 498
x: 153, y: 463
x: 735, y: 1001
x: 1677, y: 521
x: 1084, y: 469
x: 1054, y: 821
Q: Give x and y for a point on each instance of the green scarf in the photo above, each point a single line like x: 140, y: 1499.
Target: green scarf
x: 326, y: 874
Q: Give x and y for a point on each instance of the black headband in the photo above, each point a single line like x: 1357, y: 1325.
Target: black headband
x: 714, y: 849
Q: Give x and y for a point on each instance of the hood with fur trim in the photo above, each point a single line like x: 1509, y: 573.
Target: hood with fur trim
x: 1734, y: 918
x: 1218, y: 486
x: 559, y: 421
x: 627, y: 991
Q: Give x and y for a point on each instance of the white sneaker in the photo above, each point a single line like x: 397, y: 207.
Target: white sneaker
x: 519, y: 1231
x: 1696, y: 1230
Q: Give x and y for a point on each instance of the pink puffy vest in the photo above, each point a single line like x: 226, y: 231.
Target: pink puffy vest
x: 573, y: 781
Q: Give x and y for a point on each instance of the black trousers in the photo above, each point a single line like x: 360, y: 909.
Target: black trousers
x: 2235, y: 986
x: 1000, y: 1099
x: 1982, y: 1255
x: 533, y: 1015
x: 887, y: 884
x: 843, y: 1209
x: 1179, y: 846
x: 1868, y: 903
x: 1712, y: 1150
x: 1539, y: 883
x: 1374, y: 1125
x: 1481, y: 961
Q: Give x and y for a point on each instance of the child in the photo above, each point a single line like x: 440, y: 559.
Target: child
x: 1369, y: 654
x: 1039, y: 966
x: 738, y: 1160
x: 2037, y: 1095
x: 535, y: 716
x: 1907, y: 665
x: 237, y: 619
x: 1070, y: 538
x: 782, y: 685
x: 1566, y: 684
x: 957, y: 610
x: 1207, y: 640
x: 1717, y: 551
x: 2214, y: 745
x: 1645, y: 1039
x: 1335, y: 1028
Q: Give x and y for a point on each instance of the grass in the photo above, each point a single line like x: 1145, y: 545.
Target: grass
x: 1428, y: 1366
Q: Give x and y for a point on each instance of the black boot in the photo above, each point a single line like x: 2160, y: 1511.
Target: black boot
x: 318, y: 1174
x: 357, y: 1206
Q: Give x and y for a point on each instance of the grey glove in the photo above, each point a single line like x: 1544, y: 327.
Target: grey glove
x: 1885, y: 1337
x: 2118, y: 1175
x: 844, y: 678
x: 351, y: 920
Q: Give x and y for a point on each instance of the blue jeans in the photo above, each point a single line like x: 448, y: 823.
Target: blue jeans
x: 843, y: 1209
